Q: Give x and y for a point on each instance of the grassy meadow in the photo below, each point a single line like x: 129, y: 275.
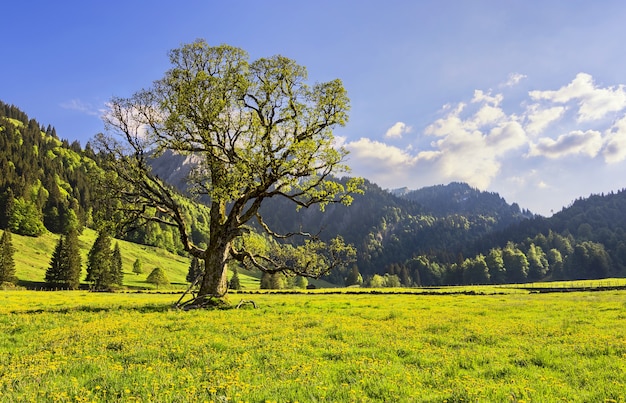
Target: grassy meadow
x: 32, y: 258
x: 503, y: 345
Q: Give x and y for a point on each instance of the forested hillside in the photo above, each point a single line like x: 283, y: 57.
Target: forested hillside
x: 48, y: 184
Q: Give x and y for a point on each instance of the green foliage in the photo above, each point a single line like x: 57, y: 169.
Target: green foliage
x: 234, y: 283
x: 195, y: 269
x: 476, y: 271
x: 46, y: 176
x: 589, y: 260
x: 100, y: 263
x: 25, y: 218
x: 260, y: 131
x: 301, y: 282
x: 158, y: 277
x: 7, y: 263
x: 117, y: 269
x: 65, y: 265
x: 137, y: 267
x: 354, y: 277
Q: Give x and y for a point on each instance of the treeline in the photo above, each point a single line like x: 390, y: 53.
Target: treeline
x: 389, y: 230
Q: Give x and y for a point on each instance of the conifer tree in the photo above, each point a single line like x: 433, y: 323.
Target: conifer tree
x: 99, y: 263
x: 117, y: 271
x: 54, y: 271
x: 7, y: 264
x: 234, y: 283
x: 195, y: 269
x: 354, y: 277
x: 72, y: 260
x: 64, y: 269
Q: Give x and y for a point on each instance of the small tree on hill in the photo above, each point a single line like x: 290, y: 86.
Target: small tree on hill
x: 7, y: 264
x: 137, y: 267
x: 266, y: 281
x: 158, y: 277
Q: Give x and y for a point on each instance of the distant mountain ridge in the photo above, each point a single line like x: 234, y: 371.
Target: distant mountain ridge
x: 387, y: 227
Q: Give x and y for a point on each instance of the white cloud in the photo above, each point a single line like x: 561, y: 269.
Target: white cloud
x: 80, y: 106
x: 514, y: 79
x: 487, y: 141
x: 397, y: 130
x: 574, y: 143
x: 540, y: 118
x: 615, y: 143
x: 380, y: 155
x: 594, y: 103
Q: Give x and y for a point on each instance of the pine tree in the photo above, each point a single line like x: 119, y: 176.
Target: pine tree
x: 55, y: 270
x: 7, y: 264
x: 158, y: 277
x: 72, y: 260
x: 195, y: 269
x: 99, y: 263
x: 234, y: 283
x: 117, y: 271
x: 137, y: 267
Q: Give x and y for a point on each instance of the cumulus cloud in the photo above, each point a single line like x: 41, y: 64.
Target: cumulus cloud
x: 574, y: 143
x: 486, y: 141
x: 594, y: 102
x: 380, y: 155
x: 397, y: 130
x: 615, y: 144
x: 540, y: 118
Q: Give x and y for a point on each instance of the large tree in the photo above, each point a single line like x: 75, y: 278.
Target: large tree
x: 258, y: 131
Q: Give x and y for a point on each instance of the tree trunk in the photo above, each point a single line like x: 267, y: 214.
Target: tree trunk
x: 215, y: 280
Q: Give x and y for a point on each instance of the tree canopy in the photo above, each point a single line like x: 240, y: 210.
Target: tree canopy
x: 258, y: 131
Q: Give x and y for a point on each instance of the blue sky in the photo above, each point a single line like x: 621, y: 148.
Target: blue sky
x: 524, y: 98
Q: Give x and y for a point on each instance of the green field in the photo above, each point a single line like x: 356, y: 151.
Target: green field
x: 32, y: 258
x: 500, y: 347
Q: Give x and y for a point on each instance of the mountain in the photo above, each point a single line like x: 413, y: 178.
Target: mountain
x: 460, y: 198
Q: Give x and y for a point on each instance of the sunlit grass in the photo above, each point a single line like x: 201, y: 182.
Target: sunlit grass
x: 32, y: 259
x: 80, y: 346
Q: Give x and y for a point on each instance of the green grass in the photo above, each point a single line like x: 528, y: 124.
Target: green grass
x: 32, y: 258
x: 518, y: 346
